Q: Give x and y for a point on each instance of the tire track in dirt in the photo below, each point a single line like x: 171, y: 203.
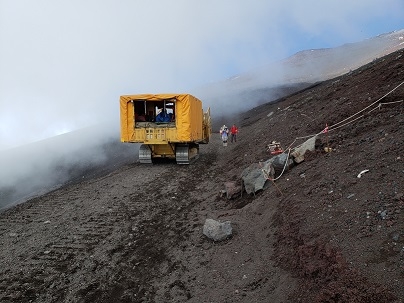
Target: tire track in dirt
x: 67, y: 234
x: 76, y: 236
x: 161, y: 220
x: 114, y: 238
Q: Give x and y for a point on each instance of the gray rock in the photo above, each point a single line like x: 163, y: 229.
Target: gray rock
x: 216, y: 230
x: 255, y: 176
x: 396, y: 237
x: 278, y: 162
x: 232, y: 190
x: 383, y: 214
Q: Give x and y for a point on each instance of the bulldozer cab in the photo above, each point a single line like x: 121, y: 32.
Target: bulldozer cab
x: 154, y: 111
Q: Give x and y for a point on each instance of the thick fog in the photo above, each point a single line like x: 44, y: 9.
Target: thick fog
x: 64, y: 64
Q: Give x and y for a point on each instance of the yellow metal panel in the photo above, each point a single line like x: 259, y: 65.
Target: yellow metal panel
x: 163, y: 150
x: 183, y: 119
x: 172, y: 135
x: 196, y: 116
x: 189, y: 118
x: 155, y: 135
x: 139, y: 135
x: 127, y: 123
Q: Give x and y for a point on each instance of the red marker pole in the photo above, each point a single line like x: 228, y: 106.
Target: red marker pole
x: 325, y: 131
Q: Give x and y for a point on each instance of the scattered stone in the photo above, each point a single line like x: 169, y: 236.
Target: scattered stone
x: 232, y: 190
x: 216, y: 230
x: 382, y: 214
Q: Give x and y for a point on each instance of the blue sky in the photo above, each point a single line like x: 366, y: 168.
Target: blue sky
x: 63, y: 64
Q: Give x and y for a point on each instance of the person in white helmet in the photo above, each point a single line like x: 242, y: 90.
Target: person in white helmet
x: 224, y: 133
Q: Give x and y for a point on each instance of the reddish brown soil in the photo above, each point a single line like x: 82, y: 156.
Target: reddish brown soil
x: 318, y: 234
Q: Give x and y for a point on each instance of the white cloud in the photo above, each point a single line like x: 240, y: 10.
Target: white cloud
x: 63, y: 64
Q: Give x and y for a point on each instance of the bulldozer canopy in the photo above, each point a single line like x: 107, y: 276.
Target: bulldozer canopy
x: 189, y: 114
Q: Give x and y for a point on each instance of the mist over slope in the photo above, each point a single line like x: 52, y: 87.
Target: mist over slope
x: 270, y: 82
x: 38, y: 167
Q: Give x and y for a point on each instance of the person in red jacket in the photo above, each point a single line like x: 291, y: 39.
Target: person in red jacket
x: 233, y: 133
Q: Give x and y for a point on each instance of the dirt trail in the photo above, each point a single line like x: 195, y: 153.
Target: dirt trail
x: 76, y: 241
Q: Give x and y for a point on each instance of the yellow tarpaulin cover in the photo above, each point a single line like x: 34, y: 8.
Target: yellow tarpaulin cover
x: 188, y: 115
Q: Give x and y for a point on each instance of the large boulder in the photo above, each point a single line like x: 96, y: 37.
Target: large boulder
x: 256, y: 175
x: 279, y: 161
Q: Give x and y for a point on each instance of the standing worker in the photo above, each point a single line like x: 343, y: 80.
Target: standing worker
x: 224, y: 131
x: 233, y: 133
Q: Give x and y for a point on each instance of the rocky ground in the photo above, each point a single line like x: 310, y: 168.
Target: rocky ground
x: 316, y: 234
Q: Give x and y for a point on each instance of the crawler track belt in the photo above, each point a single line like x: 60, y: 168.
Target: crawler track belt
x: 182, y: 154
x: 145, y: 154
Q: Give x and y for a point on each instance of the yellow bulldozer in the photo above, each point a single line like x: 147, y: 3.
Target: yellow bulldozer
x: 168, y: 125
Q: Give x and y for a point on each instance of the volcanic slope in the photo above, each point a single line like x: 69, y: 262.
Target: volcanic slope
x: 319, y: 233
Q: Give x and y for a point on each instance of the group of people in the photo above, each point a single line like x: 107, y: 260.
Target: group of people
x: 224, y: 133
